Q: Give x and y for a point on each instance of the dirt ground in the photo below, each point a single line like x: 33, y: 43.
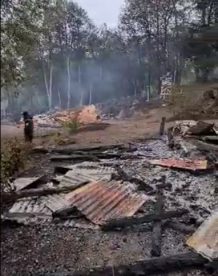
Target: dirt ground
x: 117, y: 132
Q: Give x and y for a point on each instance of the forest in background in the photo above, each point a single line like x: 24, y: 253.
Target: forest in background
x: 53, y: 55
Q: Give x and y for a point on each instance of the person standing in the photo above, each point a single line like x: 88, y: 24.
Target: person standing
x: 28, y: 127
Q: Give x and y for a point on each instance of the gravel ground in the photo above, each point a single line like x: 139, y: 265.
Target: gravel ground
x: 39, y: 250
x: 43, y: 249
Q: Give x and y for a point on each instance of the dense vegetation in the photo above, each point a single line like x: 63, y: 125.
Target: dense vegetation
x: 53, y: 55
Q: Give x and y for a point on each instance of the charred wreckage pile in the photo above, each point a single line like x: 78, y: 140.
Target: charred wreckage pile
x: 165, y: 182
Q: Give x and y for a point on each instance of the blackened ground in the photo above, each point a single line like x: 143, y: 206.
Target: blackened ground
x: 41, y: 250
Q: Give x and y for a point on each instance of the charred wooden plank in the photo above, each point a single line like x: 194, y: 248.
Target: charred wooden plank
x: 205, y: 146
x: 157, y: 227
x: 177, y: 226
x: 153, y: 266
x: 98, y: 149
x: 39, y: 192
x: 122, y: 175
x: 64, y: 212
x: 125, y: 222
x: 75, y: 157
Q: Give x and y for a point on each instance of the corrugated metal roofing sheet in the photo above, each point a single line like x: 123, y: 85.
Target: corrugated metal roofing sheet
x: 102, y: 201
x: 192, y: 165
x: 205, y: 239
x: 55, y: 202
x: 80, y: 175
x: 29, y: 210
x: 23, y: 182
x: 84, y: 225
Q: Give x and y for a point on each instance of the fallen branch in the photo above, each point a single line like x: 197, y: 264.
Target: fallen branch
x: 39, y: 192
x: 124, y: 222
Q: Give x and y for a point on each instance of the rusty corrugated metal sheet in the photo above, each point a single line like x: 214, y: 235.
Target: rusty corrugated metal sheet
x: 102, y: 201
x: 205, y: 240
x: 191, y: 165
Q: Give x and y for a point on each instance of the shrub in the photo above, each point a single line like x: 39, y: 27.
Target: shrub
x: 72, y: 126
x: 13, y: 158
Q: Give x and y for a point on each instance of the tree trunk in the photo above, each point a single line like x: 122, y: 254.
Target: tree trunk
x: 59, y: 98
x: 203, y: 17
x: 68, y: 83
x: 46, y: 82
x: 81, y: 97
x: 79, y: 75
x: 216, y: 11
x: 50, y: 86
x: 90, y: 94
x: 135, y: 88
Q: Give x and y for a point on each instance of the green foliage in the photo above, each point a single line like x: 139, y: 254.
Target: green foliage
x: 71, y: 126
x: 20, y: 25
x: 13, y: 158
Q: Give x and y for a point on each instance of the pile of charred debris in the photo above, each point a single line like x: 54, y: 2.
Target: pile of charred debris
x: 166, y: 182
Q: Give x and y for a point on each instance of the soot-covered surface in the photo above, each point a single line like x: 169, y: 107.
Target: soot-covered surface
x: 49, y: 248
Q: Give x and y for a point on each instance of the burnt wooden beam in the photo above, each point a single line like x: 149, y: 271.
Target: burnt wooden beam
x: 64, y: 212
x: 75, y: 157
x: 39, y: 192
x: 80, y: 151
x: 125, y: 222
x: 179, y: 262
x: 181, y: 227
x: 122, y: 175
x: 157, y: 227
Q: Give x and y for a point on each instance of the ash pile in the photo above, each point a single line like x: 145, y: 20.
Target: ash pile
x: 168, y: 182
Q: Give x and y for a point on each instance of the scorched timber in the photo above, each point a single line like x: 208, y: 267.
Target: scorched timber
x: 122, y: 175
x: 157, y: 227
x: 177, y: 226
x: 83, y: 150
x: 40, y: 192
x: 76, y: 157
x: 125, y: 222
x: 152, y: 266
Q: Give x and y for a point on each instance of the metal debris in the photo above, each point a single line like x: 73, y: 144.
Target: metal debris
x: 55, y: 202
x: 205, y: 240
x: 191, y: 165
x: 23, y: 182
x: 102, y: 201
x: 82, y: 225
x: 29, y: 210
x: 80, y: 175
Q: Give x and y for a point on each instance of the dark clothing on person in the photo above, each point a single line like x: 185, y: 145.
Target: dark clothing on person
x: 28, y: 127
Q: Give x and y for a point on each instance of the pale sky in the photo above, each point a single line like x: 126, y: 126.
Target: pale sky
x: 102, y: 11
